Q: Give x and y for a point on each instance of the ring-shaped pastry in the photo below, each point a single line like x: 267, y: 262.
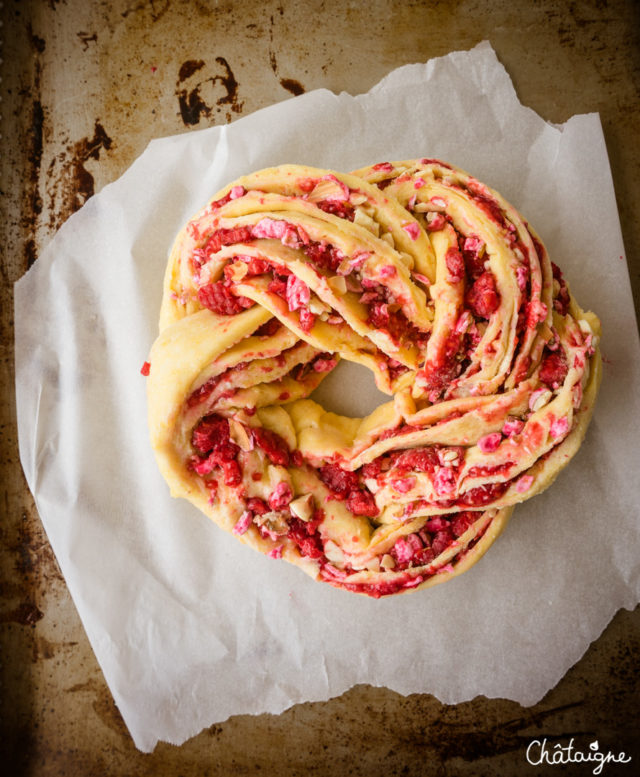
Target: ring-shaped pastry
x: 425, y: 276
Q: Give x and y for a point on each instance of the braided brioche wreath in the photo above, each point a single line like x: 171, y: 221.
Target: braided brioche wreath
x: 432, y: 281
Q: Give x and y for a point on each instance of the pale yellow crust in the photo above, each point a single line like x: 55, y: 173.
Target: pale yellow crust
x: 434, y: 282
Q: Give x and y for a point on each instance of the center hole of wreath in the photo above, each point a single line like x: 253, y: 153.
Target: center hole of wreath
x: 349, y: 390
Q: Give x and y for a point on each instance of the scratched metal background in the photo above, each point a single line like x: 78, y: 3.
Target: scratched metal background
x: 86, y: 84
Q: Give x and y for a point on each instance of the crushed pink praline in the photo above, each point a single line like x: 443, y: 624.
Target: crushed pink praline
x: 490, y: 442
x: 524, y: 483
x: 243, y: 523
x: 413, y: 230
x: 512, y: 426
x: 559, y: 427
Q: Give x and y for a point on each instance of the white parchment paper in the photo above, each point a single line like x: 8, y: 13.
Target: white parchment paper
x: 188, y: 625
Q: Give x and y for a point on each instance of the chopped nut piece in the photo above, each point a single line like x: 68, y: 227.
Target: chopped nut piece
x: 357, y: 199
x: 373, y: 565
x: 303, y: 507
x: 333, y: 552
x: 317, y: 306
x: 338, y: 284
x: 372, y: 485
x: 364, y: 220
x: 240, y: 436
x: 387, y: 562
x: 273, y: 522
x: 236, y: 271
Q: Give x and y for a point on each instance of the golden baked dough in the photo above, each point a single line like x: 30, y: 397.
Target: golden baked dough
x: 431, y: 280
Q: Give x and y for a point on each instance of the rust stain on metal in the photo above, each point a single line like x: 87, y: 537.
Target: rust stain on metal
x: 157, y: 10
x: 188, y: 68
x: 291, y: 85
x: 32, y: 199
x: 86, y: 39
x: 71, y: 183
x: 103, y: 704
x: 26, y: 614
x: 190, y: 99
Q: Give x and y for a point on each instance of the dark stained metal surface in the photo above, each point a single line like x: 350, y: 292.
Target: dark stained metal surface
x: 86, y: 84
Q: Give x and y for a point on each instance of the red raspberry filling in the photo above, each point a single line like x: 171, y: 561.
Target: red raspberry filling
x: 324, y: 255
x: 339, y: 481
x: 306, y: 537
x: 345, y: 210
x: 210, y: 438
x: 268, y: 329
x: 483, y: 495
x: 272, y: 444
x: 307, y: 320
x: 257, y: 506
x: 455, y: 265
x: 219, y: 298
x: 345, y: 486
x: 483, y: 298
x: 419, y: 459
x: 212, y: 433
x: 439, y: 372
x: 473, y: 261
x: 203, y: 392
x: 554, y: 368
x: 361, y: 502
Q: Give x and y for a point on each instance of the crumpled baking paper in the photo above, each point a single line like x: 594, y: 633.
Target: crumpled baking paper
x: 190, y: 626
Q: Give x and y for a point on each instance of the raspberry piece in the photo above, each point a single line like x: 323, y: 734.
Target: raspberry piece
x: 372, y: 469
x: 268, y: 329
x: 212, y: 433
x: 228, y: 237
x: 455, y: 265
x: 483, y: 298
x: 439, y: 372
x: 219, y: 298
x: 419, y: 459
x: 441, y: 541
x: 257, y: 266
x: 462, y: 522
x: 343, y: 210
x: 306, y: 538
x: 483, y: 495
x: 203, y: 392
x: 340, y: 482
x: 474, y: 258
x: 436, y: 524
x: 554, y: 368
x: 278, y: 286
x: 324, y: 255
x: 257, y: 506
x: 307, y: 320
x: 272, y: 444
x: 362, y: 503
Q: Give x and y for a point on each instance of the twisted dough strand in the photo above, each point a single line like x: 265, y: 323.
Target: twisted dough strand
x: 434, y: 282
